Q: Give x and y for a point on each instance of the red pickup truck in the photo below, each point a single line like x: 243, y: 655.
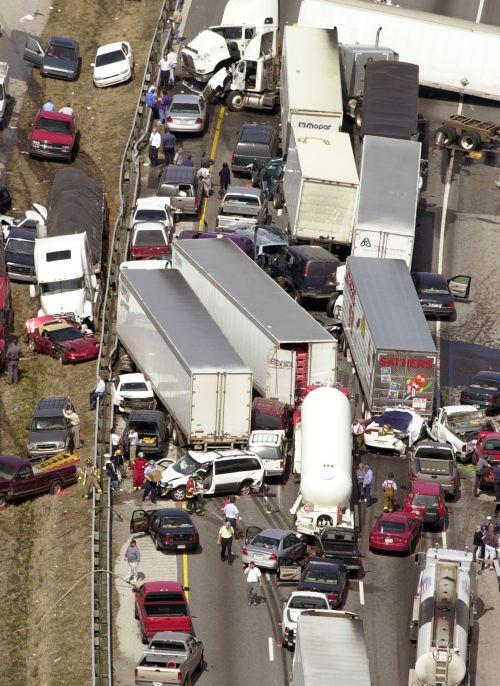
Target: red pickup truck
x: 162, y: 606
x: 53, y: 135
x: 19, y: 479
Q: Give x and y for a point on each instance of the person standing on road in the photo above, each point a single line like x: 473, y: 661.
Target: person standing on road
x: 178, y: 157
x: 154, y: 146
x: 490, y: 547
x: 389, y: 489
x: 254, y: 580
x: 205, y: 160
x: 132, y: 557
x: 133, y: 440
x: 225, y: 540
x: 368, y: 485
x: 140, y: 465
x: 112, y: 472
x: 74, y: 427
x: 482, y: 468
x: 98, y: 392
x: 224, y: 178
x: 150, y: 487
x: 203, y: 175
x: 232, y: 514
x: 164, y: 78
x: 172, y: 66
x: 169, y: 141
x: 360, y: 475
x: 176, y: 23
x: 188, y: 162
x: 163, y: 105
x: 478, y: 543
x: 13, y: 355
x: 358, y: 436
x: 114, y: 440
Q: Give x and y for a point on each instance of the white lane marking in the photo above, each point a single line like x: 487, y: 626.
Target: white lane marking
x: 362, y: 592
x: 271, y: 648
x: 445, y: 541
x: 479, y: 11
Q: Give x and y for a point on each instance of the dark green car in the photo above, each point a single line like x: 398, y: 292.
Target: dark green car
x: 257, y: 143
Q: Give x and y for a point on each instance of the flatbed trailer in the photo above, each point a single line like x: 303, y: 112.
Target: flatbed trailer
x: 466, y: 133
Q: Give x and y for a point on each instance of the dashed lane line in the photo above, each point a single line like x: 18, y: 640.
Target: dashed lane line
x: 213, y: 153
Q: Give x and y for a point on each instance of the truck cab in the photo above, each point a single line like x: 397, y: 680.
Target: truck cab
x: 162, y: 606
x: 4, y: 92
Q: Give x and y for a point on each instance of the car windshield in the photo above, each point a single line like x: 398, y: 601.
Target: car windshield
x: 434, y: 453
x: 266, y: 542
x: 177, y: 522
x: 47, y: 423
x: 149, y: 237
x: 62, y: 286
x: 19, y: 245
x: 425, y: 500
x: 485, y: 384
x: 186, y: 465
x: 150, y: 216
x: 134, y: 386
x: 389, y: 527
x: 337, y: 536
x: 61, y: 52
x: 187, y: 107
x: 67, y: 334
x: 492, y: 444
x: 305, y: 603
x: 109, y: 58
x: 54, y: 125
x: 266, y: 452
x: 433, y: 290
x: 7, y: 471
x: 168, y: 646
x: 322, y: 576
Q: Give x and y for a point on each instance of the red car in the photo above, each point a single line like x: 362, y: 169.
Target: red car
x: 487, y: 446
x: 149, y: 240
x: 162, y: 606
x: 425, y: 502
x: 61, y: 338
x: 53, y: 135
x: 395, y: 532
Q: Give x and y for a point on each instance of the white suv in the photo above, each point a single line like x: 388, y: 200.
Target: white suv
x: 223, y: 472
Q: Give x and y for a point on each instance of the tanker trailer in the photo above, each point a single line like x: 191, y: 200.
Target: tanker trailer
x: 442, y: 618
x: 326, y: 463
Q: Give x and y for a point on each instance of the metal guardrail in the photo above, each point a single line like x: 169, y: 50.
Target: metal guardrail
x: 101, y: 539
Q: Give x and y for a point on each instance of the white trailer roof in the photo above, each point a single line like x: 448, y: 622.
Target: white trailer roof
x: 176, y: 313
x: 326, y: 156
x: 313, y: 70
x: 254, y: 13
x: 388, y: 185
x: 334, y: 646
x: 251, y: 290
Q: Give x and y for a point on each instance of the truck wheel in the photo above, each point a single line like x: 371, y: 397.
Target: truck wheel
x: 3, y: 500
x: 245, y: 488
x: 179, y: 494
x: 469, y: 141
x: 278, y: 200
x: 31, y: 345
x: 330, y: 305
x: 235, y: 101
x: 448, y: 134
x: 55, y: 487
x: 255, y: 178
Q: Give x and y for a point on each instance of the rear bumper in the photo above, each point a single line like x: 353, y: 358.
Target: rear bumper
x: 56, y: 74
x: 390, y: 547
x: 263, y: 564
x: 438, y: 312
x: 187, y: 128
x: 180, y: 545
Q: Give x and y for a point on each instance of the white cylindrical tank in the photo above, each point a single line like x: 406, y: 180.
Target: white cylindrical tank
x: 326, y: 470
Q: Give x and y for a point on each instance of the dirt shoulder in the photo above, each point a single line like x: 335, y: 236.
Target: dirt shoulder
x: 45, y: 551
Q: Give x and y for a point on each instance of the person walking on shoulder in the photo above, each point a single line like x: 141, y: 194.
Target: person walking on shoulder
x: 254, y: 580
x: 74, y: 426
x: 169, y: 141
x: 389, y: 489
x: 225, y: 540
x: 360, y: 475
x: 224, y: 179
x: 482, y: 468
x: 154, y: 146
x: 132, y: 558
x: 490, y: 547
x: 232, y: 514
x: 368, y: 485
x: 13, y: 355
x: 150, y: 487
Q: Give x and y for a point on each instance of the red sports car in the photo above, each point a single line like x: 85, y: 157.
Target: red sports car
x: 425, y: 502
x: 487, y: 446
x: 61, y: 338
x: 395, y: 532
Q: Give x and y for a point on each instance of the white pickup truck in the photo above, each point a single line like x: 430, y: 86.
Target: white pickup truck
x: 458, y: 426
x: 171, y: 658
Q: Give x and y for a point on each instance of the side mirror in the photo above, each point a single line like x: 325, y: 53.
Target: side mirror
x: 92, y: 64
x: 187, y: 588
x: 32, y: 291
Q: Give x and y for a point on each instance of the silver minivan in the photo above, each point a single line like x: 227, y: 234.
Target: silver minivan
x: 431, y: 461
x: 182, y: 186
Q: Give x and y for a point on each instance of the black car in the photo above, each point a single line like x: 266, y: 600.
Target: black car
x: 152, y: 428
x: 170, y: 528
x: 307, y: 271
x: 341, y: 544
x: 60, y: 58
x: 19, y: 254
x: 434, y: 294
x: 483, y: 390
x: 325, y: 576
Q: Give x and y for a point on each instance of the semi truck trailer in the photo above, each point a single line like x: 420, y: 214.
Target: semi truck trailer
x: 200, y: 380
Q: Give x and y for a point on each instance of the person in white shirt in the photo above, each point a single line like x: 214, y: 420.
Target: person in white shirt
x: 172, y: 65
x: 164, y: 79
x: 98, y: 392
x: 254, y: 580
x: 154, y: 146
x: 358, y: 431
x: 133, y: 441
x: 232, y: 513
x: 67, y: 109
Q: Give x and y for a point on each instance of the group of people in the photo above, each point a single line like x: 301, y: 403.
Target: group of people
x: 50, y: 107
x: 486, y: 540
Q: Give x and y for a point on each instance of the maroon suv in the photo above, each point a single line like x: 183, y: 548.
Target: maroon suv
x: 53, y: 135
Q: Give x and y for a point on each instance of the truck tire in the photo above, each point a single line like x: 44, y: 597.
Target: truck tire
x: 469, y: 141
x: 3, y: 500
x: 55, y: 487
x: 235, y: 101
x: 448, y: 132
x: 330, y: 305
x: 179, y: 494
x: 278, y: 200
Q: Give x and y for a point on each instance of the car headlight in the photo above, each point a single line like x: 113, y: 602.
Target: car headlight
x: 65, y: 148
x: 36, y: 144
x: 31, y: 446
x: 125, y: 72
x: 60, y: 445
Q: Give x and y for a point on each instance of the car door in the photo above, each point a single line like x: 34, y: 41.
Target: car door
x: 460, y: 286
x: 24, y: 483
x: 227, y: 476
x: 45, y: 345
x: 140, y: 521
x: 33, y: 52
x: 289, y: 571
x: 292, y: 547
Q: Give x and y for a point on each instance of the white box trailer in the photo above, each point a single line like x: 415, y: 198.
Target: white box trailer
x: 203, y: 384
x: 310, y: 82
x: 452, y: 54
x: 320, y: 185
x: 388, y: 199
x: 330, y: 649
x: 286, y: 349
x: 388, y: 336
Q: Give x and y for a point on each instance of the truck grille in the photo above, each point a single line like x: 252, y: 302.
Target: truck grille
x: 20, y: 269
x: 46, y: 446
x: 50, y: 146
x: 187, y: 61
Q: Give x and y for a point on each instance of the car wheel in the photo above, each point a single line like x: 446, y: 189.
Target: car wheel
x: 31, y: 344
x: 278, y: 200
x: 179, y: 494
x: 245, y: 488
x: 330, y: 305
x: 235, y: 101
x: 56, y: 487
x: 157, y: 543
x: 61, y: 357
x: 201, y: 663
x: 3, y: 500
x: 136, y: 612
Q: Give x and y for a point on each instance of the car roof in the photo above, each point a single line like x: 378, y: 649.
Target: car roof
x: 493, y: 376
x: 433, y: 444
x: 459, y: 409
x: 256, y: 133
x: 162, y: 586
x: 152, y: 202
x: 430, y: 278
x: 305, y: 592
x: 171, y: 512
x: 110, y: 47
x: 149, y: 226
x: 425, y: 487
x: 47, y: 406
x: 276, y: 533
x: 55, y: 326
x: 172, y: 636
x: 316, y: 252
x: 185, y: 98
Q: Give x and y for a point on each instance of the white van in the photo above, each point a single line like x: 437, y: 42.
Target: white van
x: 223, y: 472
